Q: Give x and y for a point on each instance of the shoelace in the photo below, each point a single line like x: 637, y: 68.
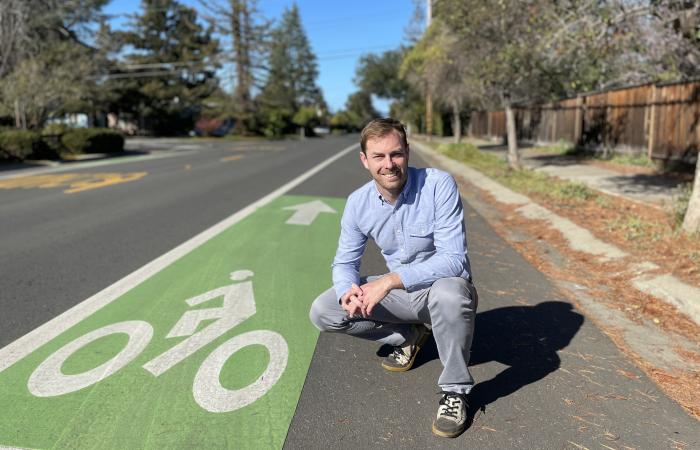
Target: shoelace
x: 450, y: 405
x: 399, y: 356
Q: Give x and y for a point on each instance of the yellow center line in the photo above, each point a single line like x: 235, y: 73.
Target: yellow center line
x: 231, y: 158
x: 73, y: 182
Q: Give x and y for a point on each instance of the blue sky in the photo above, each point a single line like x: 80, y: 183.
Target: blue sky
x: 339, y: 31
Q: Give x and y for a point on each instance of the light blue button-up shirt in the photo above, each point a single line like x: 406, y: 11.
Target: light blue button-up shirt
x: 421, y: 236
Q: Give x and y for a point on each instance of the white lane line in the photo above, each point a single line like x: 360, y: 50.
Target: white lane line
x: 89, y: 164
x: 46, y: 332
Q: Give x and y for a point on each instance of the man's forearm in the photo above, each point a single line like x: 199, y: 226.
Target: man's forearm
x: 392, y: 280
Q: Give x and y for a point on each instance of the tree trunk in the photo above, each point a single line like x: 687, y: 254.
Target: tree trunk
x: 691, y: 222
x: 513, y: 153
x: 240, y: 28
x: 429, y: 115
x: 18, y: 120
x: 456, y: 123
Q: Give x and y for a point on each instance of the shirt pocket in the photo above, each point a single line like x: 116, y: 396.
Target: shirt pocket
x: 420, y: 237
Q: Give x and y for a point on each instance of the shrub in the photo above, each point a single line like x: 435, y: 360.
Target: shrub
x: 93, y: 140
x: 18, y: 145
x: 51, y: 135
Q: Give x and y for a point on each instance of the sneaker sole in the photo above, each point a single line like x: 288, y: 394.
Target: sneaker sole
x: 446, y: 434
x: 407, y: 367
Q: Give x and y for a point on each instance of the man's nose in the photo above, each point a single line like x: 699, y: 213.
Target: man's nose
x: 388, y: 163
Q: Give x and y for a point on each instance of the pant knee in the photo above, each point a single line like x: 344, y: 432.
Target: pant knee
x: 323, y: 312
x: 316, y: 315
x: 452, y: 297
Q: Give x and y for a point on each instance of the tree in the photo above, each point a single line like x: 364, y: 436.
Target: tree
x: 360, y: 106
x: 438, y: 66
x: 45, y: 62
x: 36, y: 94
x: 241, y: 22
x: 291, y: 80
x: 378, y: 74
x: 542, y: 52
x: 169, y: 41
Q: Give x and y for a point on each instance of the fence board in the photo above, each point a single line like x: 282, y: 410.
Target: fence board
x: 630, y: 119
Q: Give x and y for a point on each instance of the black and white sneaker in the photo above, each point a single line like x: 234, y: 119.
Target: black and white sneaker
x: 451, y: 416
x: 403, y: 357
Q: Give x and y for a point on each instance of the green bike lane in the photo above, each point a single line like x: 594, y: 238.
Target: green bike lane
x: 211, y: 351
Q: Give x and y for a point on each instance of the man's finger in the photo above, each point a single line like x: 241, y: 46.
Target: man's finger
x: 370, y: 307
x: 355, y: 304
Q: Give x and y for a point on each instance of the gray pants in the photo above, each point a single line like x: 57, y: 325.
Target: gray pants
x: 449, y: 305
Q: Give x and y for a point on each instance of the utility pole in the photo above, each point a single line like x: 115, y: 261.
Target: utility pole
x: 428, y: 95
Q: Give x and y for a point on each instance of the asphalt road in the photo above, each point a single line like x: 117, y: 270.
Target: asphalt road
x: 547, y: 377
x: 59, y: 249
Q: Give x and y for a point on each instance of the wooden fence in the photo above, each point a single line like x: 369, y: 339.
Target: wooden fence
x: 660, y: 120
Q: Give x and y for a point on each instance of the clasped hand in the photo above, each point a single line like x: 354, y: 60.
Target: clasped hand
x: 360, y: 300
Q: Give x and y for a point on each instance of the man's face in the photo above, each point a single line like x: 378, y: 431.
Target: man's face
x: 387, y: 161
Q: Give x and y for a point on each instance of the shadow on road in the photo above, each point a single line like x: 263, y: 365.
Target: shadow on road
x: 526, y: 338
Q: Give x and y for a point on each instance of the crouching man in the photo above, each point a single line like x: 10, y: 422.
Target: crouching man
x: 415, y: 216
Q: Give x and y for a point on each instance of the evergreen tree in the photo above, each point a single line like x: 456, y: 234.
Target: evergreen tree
x: 291, y: 81
x: 171, y: 71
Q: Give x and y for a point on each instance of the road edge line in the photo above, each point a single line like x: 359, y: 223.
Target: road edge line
x: 23, y: 346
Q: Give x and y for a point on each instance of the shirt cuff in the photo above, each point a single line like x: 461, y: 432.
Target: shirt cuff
x: 408, y: 277
x: 341, y: 289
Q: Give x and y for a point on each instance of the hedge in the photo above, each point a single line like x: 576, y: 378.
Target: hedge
x: 93, y: 140
x: 20, y: 144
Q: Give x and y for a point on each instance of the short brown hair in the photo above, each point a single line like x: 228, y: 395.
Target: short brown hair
x: 379, y: 128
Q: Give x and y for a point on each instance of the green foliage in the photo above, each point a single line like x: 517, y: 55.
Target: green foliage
x: 560, y: 148
x: 291, y: 81
x: 50, y: 83
x: 640, y: 160
x: 18, y: 145
x: 575, y: 191
x: 306, y: 117
x: 164, y: 32
x: 471, y: 155
x: 379, y: 75
x: 276, y: 122
x: 51, y: 135
x: 346, y: 120
x: 527, y: 181
x: 359, y: 105
x: 93, y: 140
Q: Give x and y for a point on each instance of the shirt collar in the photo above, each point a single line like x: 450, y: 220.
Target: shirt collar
x: 406, y: 188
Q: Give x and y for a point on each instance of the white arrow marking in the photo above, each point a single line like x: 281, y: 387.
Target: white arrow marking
x: 306, y: 212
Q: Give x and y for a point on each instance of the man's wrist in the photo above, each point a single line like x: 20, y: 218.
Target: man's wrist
x: 392, y: 281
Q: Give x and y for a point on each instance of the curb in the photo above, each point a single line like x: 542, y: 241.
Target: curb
x: 665, y: 287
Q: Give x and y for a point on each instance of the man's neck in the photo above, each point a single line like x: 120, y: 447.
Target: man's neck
x: 387, y: 196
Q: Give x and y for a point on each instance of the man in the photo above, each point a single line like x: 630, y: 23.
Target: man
x: 415, y: 217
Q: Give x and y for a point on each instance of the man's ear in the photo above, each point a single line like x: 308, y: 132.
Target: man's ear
x: 363, y: 158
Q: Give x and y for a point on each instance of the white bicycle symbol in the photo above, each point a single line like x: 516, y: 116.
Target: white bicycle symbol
x: 47, y: 380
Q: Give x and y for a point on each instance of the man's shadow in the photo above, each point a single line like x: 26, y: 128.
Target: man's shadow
x: 525, y: 338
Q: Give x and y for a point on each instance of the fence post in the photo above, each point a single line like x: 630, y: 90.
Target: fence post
x: 578, y: 125
x: 488, y: 124
x: 652, y: 121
